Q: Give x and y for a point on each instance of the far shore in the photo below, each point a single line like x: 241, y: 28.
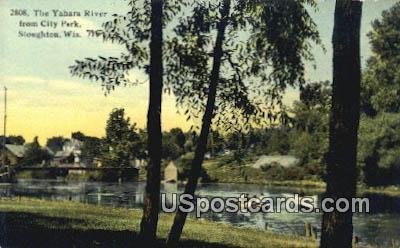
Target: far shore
x: 296, y: 185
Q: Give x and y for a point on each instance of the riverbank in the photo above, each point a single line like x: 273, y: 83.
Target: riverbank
x: 393, y: 191
x: 226, y: 170
x: 70, y: 224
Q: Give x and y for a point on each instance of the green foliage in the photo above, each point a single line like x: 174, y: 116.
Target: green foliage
x: 234, y: 140
x: 34, y: 154
x: 379, y: 149
x: 178, y: 137
x: 170, y: 150
x: 316, y: 95
x: 13, y: 139
x: 122, y: 142
x: 277, y: 172
x: 91, y: 148
x: 184, y: 162
x: 56, y: 143
x: 216, y: 142
x: 173, y: 144
x: 309, y: 135
x: 78, y: 136
x: 132, y: 32
x: 279, y: 141
x: 309, y: 139
x: 381, y: 79
x: 378, y: 146
x: 260, y: 58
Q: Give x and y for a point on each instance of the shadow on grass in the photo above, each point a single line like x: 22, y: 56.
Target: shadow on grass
x: 35, y: 230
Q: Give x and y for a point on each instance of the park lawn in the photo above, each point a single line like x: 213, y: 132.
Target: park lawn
x: 69, y: 224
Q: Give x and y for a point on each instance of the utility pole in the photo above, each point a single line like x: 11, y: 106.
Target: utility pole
x: 5, y: 127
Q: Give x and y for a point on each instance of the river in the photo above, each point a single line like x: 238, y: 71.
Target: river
x: 378, y: 228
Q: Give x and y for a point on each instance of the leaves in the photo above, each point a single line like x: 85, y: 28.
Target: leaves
x: 263, y: 53
x: 381, y: 79
x: 132, y: 32
x: 122, y: 142
x: 264, y: 49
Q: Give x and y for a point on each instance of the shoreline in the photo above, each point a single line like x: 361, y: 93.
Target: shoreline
x: 299, y: 185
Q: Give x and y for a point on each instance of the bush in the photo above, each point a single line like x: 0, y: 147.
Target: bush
x: 184, y: 163
x: 379, y: 149
x: 277, y: 172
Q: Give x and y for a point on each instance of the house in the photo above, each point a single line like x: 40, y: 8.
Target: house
x: 70, y: 153
x: 171, y: 173
x: 14, y: 153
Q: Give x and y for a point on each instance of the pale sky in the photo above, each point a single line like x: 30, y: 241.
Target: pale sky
x: 45, y: 100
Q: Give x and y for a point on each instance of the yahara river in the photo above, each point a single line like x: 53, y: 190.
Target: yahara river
x: 379, y: 228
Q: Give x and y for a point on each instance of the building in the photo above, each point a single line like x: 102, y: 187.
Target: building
x: 14, y: 154
x: 171, y: 173
x: 70, y: 153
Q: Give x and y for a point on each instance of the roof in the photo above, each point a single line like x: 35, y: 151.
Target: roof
x: 170, y: 165
x: 62, y: 154
x: 17, y: 150
x: 51, y: 152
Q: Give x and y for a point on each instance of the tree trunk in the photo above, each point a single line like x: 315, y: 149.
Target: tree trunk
x: 148, y: 226
x: 337, y: 228
x: 201, y: 147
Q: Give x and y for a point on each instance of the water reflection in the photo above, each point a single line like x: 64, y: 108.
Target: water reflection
x: 378, y: 228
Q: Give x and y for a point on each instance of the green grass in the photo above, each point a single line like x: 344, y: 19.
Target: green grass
x: 39, y: 223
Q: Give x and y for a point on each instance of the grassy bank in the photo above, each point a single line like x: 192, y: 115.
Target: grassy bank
x: 69, y: 224
x: 226, y: 170
x: 393, y: 191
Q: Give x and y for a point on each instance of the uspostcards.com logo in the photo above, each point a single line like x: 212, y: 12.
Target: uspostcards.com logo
x: 243, y: 204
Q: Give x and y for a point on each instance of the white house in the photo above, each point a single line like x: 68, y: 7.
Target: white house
x: 70, y: 153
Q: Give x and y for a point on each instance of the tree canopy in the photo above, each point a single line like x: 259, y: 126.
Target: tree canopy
x: 56, y: 143
x: 381, y: 79
x: 34, y: 154
x: 122, y: 142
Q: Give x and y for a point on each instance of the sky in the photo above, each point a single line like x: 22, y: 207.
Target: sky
x: 45, y: 100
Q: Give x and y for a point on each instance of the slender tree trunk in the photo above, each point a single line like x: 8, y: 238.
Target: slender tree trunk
x: 201, y: 147
x: 337, y: 228
x: 148, y: 226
